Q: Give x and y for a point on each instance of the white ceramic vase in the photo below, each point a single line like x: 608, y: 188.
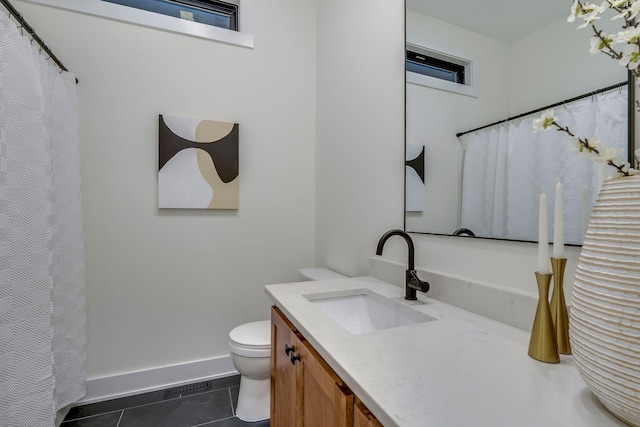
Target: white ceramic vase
x: 604, y: 321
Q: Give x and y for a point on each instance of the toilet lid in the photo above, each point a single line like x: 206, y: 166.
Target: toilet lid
x: 254, y: 334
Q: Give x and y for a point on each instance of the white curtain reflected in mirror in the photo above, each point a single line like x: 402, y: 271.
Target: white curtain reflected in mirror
x: 506, y: 166
x: 511, y: 71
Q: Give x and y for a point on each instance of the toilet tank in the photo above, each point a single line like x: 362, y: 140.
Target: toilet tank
x: 308, y: 274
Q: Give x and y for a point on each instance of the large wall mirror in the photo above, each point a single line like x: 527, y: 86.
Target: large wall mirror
x: 514, y: 59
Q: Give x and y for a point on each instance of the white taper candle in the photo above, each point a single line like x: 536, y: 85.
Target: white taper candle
x: 558, y: 222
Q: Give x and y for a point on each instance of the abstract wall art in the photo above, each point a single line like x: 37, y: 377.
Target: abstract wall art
x: 198, y: 164
x: 414, y: 179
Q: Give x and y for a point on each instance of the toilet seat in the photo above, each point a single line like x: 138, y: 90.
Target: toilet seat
x: 251, y: 339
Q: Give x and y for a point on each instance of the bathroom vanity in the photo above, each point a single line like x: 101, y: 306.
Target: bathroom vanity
x: 439, y: 366
x: 305, y: 391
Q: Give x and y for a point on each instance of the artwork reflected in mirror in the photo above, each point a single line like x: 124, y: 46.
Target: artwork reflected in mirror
x: 488, y: 181
x: 414, y: 182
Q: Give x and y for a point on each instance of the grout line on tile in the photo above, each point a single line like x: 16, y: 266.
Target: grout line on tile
x: 120, y: 419
x: 160, y: 401
x: 90, y: 416
x: 233, y: 411
x: 211, y: 422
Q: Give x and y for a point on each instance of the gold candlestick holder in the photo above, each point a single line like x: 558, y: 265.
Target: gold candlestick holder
x: 542, y: 345
x: 559, y: 313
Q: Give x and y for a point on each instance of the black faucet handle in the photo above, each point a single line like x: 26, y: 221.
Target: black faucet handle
x: 416, y: 283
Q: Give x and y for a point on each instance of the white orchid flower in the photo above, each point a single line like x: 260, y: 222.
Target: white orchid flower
x: 628, y: 9
x: 587, y: 145
x: 609, y: 153
x: 586, y: 11
x: 546, y: 119
x: 594, y: 142
x: 575, y: 8
x: 597, y: 44
x: 630, y: 56
x: 604, y: 154
x: 589, y: 13
x: 628, y: 36
x: 632, y: 10
x: 588, y: 20
x: 575, y: 142
x: 618, y: 3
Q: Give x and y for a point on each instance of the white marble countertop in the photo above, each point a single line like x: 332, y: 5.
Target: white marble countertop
x: 459, y: 370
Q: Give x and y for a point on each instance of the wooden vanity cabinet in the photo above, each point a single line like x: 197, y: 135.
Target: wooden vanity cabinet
x: 285, y: 399
x: 305, y: 392
x: 362, y: 417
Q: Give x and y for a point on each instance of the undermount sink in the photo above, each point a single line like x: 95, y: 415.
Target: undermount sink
x: 362, y: 311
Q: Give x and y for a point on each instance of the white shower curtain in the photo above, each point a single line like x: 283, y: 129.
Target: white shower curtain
x: 42, y: 297
x: 505, y: 167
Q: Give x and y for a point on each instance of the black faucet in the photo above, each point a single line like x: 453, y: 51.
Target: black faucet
x: 464, y: 232
x: 412, y: 282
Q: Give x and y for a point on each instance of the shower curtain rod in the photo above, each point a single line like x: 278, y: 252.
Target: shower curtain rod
x: 32, y: 33
x: 586, y: 95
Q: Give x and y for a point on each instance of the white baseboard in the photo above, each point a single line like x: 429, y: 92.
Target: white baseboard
x: 130, y: 383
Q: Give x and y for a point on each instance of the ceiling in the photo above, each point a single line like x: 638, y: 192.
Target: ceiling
x: 505, y: 20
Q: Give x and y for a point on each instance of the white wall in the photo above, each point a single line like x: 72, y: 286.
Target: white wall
x: 435, y: 116
x: 554, y: 63
x: 360, y: 152
x: 165, y: 286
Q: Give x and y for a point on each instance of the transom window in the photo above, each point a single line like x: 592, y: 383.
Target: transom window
x: 227, y: 21
x: 429, y: 66
x: 211, y: 12
x: 437, y: 69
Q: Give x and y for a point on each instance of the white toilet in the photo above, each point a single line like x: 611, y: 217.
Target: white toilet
x: 250, y: 346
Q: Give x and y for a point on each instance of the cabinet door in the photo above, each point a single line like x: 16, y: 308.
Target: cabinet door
x: 285, y: 399
x: 327, y: 402
x: 362, y: 417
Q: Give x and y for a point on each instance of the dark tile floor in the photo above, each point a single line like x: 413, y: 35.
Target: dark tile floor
x: 210, y: 406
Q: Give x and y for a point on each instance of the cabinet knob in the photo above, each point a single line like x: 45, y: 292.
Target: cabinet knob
x: 294, y: 357
x: 288, y: 349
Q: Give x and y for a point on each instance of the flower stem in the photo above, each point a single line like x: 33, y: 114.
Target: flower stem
x: 611, y: 52
x: 584, y: 143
